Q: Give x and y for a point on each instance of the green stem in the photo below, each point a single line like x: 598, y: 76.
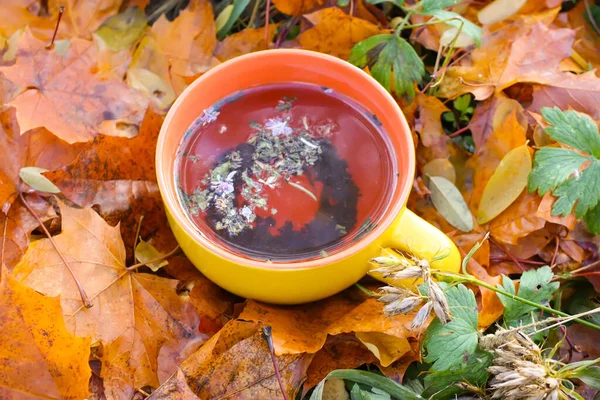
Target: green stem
x: 400, y: 27
x: 434, y: 22
x: 365, y: 290
x: 472, y: 279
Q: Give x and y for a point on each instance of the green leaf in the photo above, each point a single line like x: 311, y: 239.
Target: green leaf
x: 590, y: 376
x: 358, y: 394
x: 238, y: 8
x: 122, y: 30
x: 593, y: 14
x: 34, y: 178
x: 447, y: 345
x: 592, y: 219
x: 370, y: 379
x: 427, y: 6
x: 559, y: 169
x: 451, y: 18
x: 575, y: 129
x: 449, y: 202
x: 535, y: 286
x: 584, y: 299
x: 389, y: 55
x: 462, y: 103
x: 442, y: 384
x: 397, y: 3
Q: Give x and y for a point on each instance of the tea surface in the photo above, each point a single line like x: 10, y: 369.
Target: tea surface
x: 285, y: 172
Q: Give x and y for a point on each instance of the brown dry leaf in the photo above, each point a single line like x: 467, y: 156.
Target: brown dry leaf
x: 235, y: 364
x: 490, y: 113
x: 38, y: 357
x: 118, y: 175
x: 481, y: 72
x: 339, y: 352
x: 536, y: 57
x: 16, y: 14
x: 247, y: 41
x: 509, y: 135
x: 335, y: 32
x: 133, y: 314
x: 16, y: 226
x: 194, y: 33
x: 37, y: 147
x: 544, y: 211
x: 518, y: 220
x: 82, y: 18
x: 304, y: 329
x: 63, y: 94
x: 397, y: 369
x: 297, y: 7
x: 569, y: 91
x: 429, y: 126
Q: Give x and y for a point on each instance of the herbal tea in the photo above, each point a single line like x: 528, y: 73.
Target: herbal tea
x: 285, y: 172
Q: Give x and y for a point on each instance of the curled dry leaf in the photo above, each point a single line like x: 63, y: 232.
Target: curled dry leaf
x: 335, y: 32
x: 119, y: 176
x: 62, y: 93
x: 449, y: 202
x: 84, y: 17
x: 37, y: 147
x: 247, y: 41
x: 506, y: 183
x: 518, y: 220
x: 133, y: 314
x: 544, y: 211
x: 430, y: 128
x: 236, y: 364
x: 39, y: 358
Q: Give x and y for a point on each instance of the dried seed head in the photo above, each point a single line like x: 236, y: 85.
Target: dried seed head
x: 402, y: 306
x: 391, y: 262
x: 422, y: 316
x: 440, y: 303
x: 406, y: 273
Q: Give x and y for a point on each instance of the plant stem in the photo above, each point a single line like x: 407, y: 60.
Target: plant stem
x: 472, y: 279
x: 84, y: 297
x: 365, y: 290
x: 399, y: 28
x: 269, y: 338
x: 163, y: 257
x: 254, y: 12
x: 61, y: 10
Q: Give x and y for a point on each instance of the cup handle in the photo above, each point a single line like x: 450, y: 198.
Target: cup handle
x: 414, y: 235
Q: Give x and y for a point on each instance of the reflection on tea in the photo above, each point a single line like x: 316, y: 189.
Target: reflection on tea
x: 285, y: 172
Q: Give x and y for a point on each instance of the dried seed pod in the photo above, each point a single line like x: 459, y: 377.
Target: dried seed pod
x: 406, y: 273
x: 440, y: 303
x: 422, y: 316
x: 402, y: 306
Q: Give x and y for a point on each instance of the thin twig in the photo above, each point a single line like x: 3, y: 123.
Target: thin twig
x: 555, y: 252
x: 522, y: 261
x: 513, y: 258
x: 269, y: 338
x: 267, y: 23
x: 61, y: 10
x: 458, y: 132
x: 254, y: 12
x: 84, y: 297
x: 303, y: 189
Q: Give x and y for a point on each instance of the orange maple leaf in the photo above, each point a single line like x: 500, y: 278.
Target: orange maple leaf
x: 63, y: 93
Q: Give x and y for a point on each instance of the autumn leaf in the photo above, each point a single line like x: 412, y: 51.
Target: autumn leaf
x: 118, y: 175
x: 194, y: 33
x: 62, y: 93
x: 247, y: 41
x: 429, y: 126
x: 297, y: 7
x: 37, y: 147
x: 236, y: 363
x: 39, y: 358
x: 335, y: 32
x: 134, y: 315
x: 16, y: 227
x: 84, y: 17
x: 518, y: 220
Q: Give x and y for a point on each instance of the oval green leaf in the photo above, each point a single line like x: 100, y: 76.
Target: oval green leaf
x: 34, y: 178
x: 506, y: 184
x: 450, y: 203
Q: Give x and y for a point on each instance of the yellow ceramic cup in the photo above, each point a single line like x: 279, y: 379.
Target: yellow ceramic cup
x: 298, y: 282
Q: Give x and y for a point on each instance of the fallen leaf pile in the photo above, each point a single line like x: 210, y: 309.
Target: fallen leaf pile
x: 503, y: 106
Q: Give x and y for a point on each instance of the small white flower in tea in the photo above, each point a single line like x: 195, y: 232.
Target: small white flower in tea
x: 222, y: 129
x: 278, y: 126
x: 209, y: 115
x: 247, y: 213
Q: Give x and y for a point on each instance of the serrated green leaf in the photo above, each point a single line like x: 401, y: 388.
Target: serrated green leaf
x: 467, y: 27
x: 358, y: 394
x: 442, y: 384
x: 584, y: 299
x: 449, y: 202
x: 574, y: 129
x: 592, y: 219
x: 448, y: 344
x: 389, y: 55
x: 551, y: 167
x: 370, y: 379
x: 122, y: 30
x: 535, y: 286
x: 428, y: 6
x: 238, y: 8
x: 34, y: 178
x: 583, y: 189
